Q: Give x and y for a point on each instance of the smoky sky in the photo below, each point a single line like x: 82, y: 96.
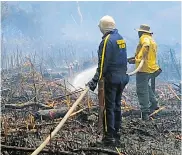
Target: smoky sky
x: 37, y: 25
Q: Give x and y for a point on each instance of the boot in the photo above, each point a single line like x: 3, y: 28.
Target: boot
x: 145, y: 116
x: 153, y: 108
x: 117, y: 137
x: 108, y: 140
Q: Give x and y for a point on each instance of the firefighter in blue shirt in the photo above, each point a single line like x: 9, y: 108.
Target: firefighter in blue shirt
x: 112, y: 67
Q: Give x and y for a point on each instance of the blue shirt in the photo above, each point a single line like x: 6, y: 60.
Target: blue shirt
x: 115, y: 59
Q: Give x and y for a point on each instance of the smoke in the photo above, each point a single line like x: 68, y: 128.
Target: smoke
x: 36, y: 26
x: 32, y: 26
x: 79, y: 12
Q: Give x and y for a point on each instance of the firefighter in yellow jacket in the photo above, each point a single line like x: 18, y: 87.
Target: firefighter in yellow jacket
x: 146, y: 50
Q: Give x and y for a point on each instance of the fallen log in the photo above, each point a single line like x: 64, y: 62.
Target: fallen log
x: 53, y: 113
x: 25, y: 149
x: 27, y: 104
x: 33, y: 127
x: 40, y: 148
x: 98, y: 150
x: 50, y: 114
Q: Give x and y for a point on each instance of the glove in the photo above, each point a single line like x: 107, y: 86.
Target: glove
x: 92, y: 85
x: 131, y: 60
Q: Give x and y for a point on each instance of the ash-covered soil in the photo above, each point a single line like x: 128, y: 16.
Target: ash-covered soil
x: 31, y: 109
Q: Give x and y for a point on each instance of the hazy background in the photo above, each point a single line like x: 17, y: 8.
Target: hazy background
x: 51, y: 26
x: 45, y: 23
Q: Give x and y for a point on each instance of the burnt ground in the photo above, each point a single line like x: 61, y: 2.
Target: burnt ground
x: 32, y: 109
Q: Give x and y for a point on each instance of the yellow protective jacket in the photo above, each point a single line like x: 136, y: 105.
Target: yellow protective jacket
x: 150, y: 64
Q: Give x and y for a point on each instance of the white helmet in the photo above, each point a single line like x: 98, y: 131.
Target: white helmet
x: 106, y: 24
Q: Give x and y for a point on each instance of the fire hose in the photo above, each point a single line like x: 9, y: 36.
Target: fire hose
x: 59, y: 126
x: 138, y: 68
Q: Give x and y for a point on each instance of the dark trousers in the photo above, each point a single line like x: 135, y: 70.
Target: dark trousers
x: 144, y: 91
x: 112, y: 113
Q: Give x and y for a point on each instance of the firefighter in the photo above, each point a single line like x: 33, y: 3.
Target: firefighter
x: 112, y: 67
x: 146, y: 50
